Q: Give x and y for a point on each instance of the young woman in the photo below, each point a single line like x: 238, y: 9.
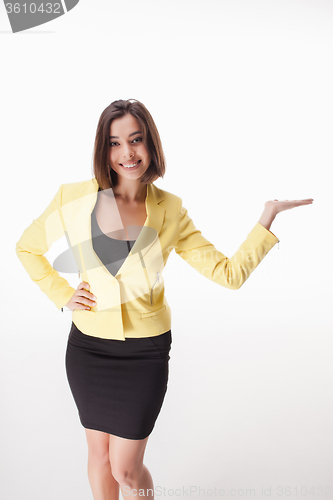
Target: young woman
x: 121, y: 229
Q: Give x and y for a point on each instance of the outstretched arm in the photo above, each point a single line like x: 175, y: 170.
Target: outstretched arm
x: 213, y: 264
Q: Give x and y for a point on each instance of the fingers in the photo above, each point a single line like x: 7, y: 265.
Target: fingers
x: 305, y: 200
x: 83, y: 284
x: 84, y: 298
x: 78, y: 305
x: 83, y: 303
x: 302, y: 202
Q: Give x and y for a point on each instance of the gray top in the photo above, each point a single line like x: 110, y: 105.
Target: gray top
x: 110, y: 251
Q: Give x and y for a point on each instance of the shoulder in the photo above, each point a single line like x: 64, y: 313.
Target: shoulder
x: 74, y: 186
x: 167, y: 198
x: 74, y: 190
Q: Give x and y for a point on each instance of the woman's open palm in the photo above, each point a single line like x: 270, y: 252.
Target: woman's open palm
x: 278, y: 206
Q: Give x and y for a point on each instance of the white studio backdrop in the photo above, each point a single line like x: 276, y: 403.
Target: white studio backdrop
x: 241, y: 93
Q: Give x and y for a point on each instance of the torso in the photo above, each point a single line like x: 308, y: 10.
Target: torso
x: 107, y: 216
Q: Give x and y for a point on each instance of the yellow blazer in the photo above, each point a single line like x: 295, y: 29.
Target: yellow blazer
x: 131, y: 303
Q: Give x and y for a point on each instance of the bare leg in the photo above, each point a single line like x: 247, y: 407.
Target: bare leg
x: 103, y: 484
x: 126, y: 457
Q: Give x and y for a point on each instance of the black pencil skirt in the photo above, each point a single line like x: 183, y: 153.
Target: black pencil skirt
x: 118, y: 386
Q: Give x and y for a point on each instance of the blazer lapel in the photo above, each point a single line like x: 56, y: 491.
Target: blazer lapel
x: 77, y: 218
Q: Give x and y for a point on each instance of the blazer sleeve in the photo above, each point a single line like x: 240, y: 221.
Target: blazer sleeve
x: 35, y: 241
x: 213, y: 264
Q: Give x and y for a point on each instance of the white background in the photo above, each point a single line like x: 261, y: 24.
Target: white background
x: 241, y: 92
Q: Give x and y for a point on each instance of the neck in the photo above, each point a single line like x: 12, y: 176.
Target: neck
x: 130, y: 191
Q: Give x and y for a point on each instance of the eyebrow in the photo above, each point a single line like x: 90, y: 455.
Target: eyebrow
x: 116, y: 137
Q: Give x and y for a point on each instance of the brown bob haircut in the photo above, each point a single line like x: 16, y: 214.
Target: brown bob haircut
x: 104, y: 174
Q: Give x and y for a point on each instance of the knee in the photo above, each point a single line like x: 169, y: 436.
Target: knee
x: 99, y: 456
x: 126, y: 476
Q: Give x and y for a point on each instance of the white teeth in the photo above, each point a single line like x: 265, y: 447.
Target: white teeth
x: 131, y: 166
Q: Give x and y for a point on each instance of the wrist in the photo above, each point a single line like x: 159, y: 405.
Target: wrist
x: 267, y: 217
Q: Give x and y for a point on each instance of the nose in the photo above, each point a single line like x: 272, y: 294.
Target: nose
x: 127, y: 151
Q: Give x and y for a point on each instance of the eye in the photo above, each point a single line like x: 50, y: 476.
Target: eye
x: 136, y: 139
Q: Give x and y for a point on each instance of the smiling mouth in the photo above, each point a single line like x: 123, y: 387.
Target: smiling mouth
x: 131, y: 165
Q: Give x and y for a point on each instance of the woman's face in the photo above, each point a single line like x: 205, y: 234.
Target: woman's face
x: 127, y: 148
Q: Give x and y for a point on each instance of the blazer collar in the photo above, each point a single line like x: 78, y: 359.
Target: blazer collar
x: 79, y: 231
x: 155, y: 213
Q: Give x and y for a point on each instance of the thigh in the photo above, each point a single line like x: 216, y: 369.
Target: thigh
x: 98, y: 443
x: 126, y: 454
